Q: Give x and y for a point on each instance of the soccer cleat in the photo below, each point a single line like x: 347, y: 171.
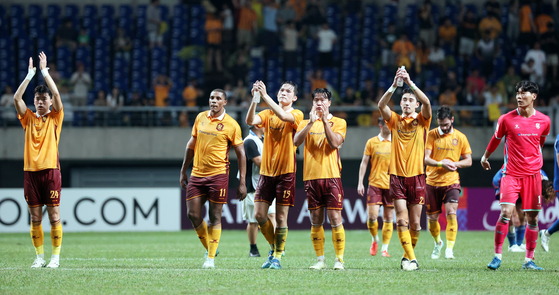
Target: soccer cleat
x: 448, y: 254
x: 494, y: 264
x: 216, y: 253
x: 54, y: 263
x: 515, y: 248
x: 385, y: 254
x: 275, y: 264
x: 544, y: 240
x: 404, y: 263
x: 437, y: 250
x: 320, y: 264
x: 268, y: 261
x: 522, y: 247
x: 339, y: 264
x: 412, y: 266
x: 254, y: 254
x: 531, y: 265
x: 208, y: 264
x: 38, y: 263
x: 374, y: 248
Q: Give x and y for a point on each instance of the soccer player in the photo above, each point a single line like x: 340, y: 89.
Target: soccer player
x: 213, y: 133
x: 253, y: 149
x: 407, y: 179
x: 377, y: 151
x: 323, y: 135
x: 42, y: 179
x: 445, y: 146
x: 277, y: 170
x: 524, y: 130
x: 545, y: 234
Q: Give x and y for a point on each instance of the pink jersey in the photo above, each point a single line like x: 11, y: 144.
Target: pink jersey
x: 523, y: 155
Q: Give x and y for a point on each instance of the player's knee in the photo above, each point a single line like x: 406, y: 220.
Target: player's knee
x: 415, y: 226
x: 373, y: 218
x: 260, y: 217
x: 193, y: 215
x: 402, y: 222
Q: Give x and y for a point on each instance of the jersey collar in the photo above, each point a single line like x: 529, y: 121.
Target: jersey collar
x: 38, y: 116
x: 382, y: 138
x: 329, y: 117
x: 442, y: 133
x: 209, y: 115
x: 414, y: 115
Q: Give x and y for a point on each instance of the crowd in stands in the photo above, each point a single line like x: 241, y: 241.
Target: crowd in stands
x: 459, y: 54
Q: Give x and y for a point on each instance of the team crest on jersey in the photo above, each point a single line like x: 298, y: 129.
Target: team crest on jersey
x: 414, y: 122
x: 537, y: 125
x: 44, y: 119
x: 219, y: 127
x: 455, y: 142
x: 331, y: 124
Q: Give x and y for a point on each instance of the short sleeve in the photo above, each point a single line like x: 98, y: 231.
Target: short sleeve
x: 194, y: 132
x: 466, y: 148
x: 426, y: 123
x: 251, y: 149
x: 236, y: 137
x: 369, y: 148
x: 298, y: 116
x: 392, y: 121
x: 302, y: 125
x: 263, y: 117
x: 547, y: 129
x: 58, y: 117
x: 340, y: 127
x: 500, y: 130
x: 430, y: 144
x: 25, y: 118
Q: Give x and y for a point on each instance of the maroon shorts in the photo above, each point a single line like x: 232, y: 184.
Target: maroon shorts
x: 379, y: 196
x: 439, y: 195
x: 411, y: 189
x: 325, y: 192
x: 42, y: 187
x: 214, y: 188
x: 281, y: 188
x: 528, y: 187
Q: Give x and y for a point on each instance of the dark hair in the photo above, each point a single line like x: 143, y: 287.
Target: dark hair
x: 221, y: 91
x: 527, y: 86
x: 408, y: 90
x: 324, y: 91
x: 295, y: 88
x: 42, y: 89
x: 444, y: 112
x: 381, y: 121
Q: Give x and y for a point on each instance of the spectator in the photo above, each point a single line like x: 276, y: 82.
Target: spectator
x: 229, y: 94
x: 550, y: 46
x: 247, y: 25
x: 350, y: 98
x: 290, y: 40
x: 269, y: 36
x: 66, y: 35
x: 240, y: 92
x: 100, y: 101
x: 7, y: 101
x: 54, y: 73
x: 426, y: 24
x: 367, y: 93
x: 122, y: 45
x: 257, y: 7
x: 161, y: 86
x: 228, y: 27
x: 541, y: 22
x: 213, y: 28
x: 450, y: 82
x: 421, y: 56
x: 326, y: 39
x: 404, y: 51
x: 240, y: 68
x: 493, y: 7
x: 183, y: 120
x: 191, y: 93
x: 83, y: 38
x: 527, y: 26
x: 474, y: 83
x: 317, y: 80
x: 299, y: 6
x: 81, y: 81
x: 134, y: 118
x: 447, y: 33
x: 487, y: 50
x: 513, y: 27
x: 386, y: 42
x: 492, y: 24
x: 153, y: 15
x: 66, y: 101
x: 530, y: 69
x: 115, y: 99
x: 286, y: 15
x: 468, y: 33
x: 436, y: 57
x: 314, y: 17
x: 539, y: 58
x: 167, y: 117
x: 448, y: 98
x: 491, y: 95
x: 508, y: 83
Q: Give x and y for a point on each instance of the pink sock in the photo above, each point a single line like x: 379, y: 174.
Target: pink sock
x: 531, y: 241
x: 501, y: 231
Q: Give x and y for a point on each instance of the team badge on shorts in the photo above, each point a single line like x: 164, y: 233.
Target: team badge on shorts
x: 219, y: 127
x: 455, y: 142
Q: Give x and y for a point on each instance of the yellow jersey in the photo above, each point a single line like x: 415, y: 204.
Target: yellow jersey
x: 445, y: 146
x: 42, y: 135
x: 378, y: 149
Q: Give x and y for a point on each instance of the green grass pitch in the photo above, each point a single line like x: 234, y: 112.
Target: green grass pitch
x: 160, y: 262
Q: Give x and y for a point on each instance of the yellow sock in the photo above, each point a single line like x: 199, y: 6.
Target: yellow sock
x: 387, y: 228
x: 267, y: 230
x: 56, y: 237
x: 214, y: 234
x: 414, y: 237
x: 338, y: 237
x: 405, y: 241
x: 373, y: 227
x: 451, y: 230
x: 202, y: 232
x: 435, y: 229
x: 281, y: 237
x: 317, y: 236
x: 37, y: 237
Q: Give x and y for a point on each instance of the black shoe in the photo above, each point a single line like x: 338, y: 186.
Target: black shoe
x: 253, y: 254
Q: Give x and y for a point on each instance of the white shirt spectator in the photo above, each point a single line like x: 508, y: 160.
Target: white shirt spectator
x: 436, y: 55
x: 7, y: 101
x: 81, y: 83
x: 539, y: 60
x: 491, y: 99
x: 115, y: 101
x: 289, y: 39
x: 227, y: 19
x: 326, y: 40
x: 153, y: 13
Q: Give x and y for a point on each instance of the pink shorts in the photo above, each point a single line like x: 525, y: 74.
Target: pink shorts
x: 528, y: 187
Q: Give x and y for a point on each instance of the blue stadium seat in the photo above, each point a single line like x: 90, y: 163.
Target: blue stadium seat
x: 90, y: 10
x: 45, y: 44
x: 197, y: 11
x: 83, y: 55
x: 35, y: 11
x: 72, y: 11
x: 164, y: 9
x: 36, y: 27
x: 90, y: 25
x: 107, y: 11
x: 472, y: 7
x: 108, y: 27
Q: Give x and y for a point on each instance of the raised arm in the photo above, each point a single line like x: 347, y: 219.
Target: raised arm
x: 383, y: 102
x: 421, y: 97
x: 188, y: 156
x: 56, y: 101
x: 283, y: 115
x: 301, y: 135
x: 362, y: 170
x: 21, y: 107
x: 334, y: 139
x: 241, y: 159
x: 252, y: 118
